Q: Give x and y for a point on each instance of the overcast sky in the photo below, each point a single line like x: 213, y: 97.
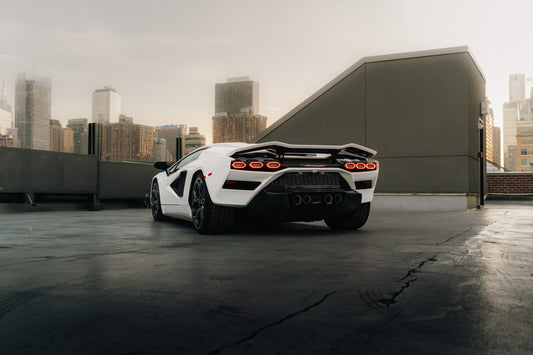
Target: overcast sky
x: 165, y: 56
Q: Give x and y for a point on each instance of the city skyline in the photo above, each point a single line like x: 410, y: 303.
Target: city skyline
x: 165, y: 61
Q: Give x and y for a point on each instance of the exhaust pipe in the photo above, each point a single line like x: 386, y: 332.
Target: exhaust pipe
x: 337, y: 199
x: 307, y: 200
x: 328, y: 199
x: 297, y: 200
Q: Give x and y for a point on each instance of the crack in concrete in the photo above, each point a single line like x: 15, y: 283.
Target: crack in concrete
x: 456, y: 236
x: 271, y: 325
x: 394, y: 295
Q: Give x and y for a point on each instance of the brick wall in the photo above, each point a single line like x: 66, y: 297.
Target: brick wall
x: 510, y: 183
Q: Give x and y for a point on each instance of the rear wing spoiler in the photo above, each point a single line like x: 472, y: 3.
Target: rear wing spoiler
x: 281, y: 149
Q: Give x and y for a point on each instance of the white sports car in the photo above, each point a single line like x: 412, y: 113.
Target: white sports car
x: 221, y: 184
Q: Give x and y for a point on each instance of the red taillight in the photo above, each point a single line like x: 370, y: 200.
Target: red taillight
x: 350, y: 165
x: 255, y: 165
x: 273, y: 165
x: 360, y: 166
x: 238, y: 164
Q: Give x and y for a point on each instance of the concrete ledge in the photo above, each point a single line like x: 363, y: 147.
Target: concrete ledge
x: 424, y: 202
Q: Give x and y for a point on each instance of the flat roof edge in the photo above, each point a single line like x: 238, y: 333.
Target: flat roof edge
x: 357, y: 65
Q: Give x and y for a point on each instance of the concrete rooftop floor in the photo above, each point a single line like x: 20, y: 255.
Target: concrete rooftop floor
x: 114, y: 281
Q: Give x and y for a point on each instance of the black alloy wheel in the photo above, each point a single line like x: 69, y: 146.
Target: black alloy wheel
x: 207, y: 217
x: 157, y: 213
x: 198, y: 203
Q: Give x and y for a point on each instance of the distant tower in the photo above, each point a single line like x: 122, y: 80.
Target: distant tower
x: 33, y: 106
x: 6, y: 114
x: 106, y: 105
x: 80, y: 129
x: 517, y: 87
x: 193, y: 140
x: 238, y: 95
x: 170, y: 133
x: 237, y: 116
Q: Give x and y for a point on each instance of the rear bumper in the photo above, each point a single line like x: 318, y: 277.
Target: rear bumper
x: 305, y: 205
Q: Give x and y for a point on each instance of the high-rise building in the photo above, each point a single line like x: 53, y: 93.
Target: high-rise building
x: 489, y: 129
x: 170, y: 133
x: 6, y: 114
x: 511, y: 115
x: 237, y: 128
x: 125, y: 140
x: 237, y: 117
x: 517, y: 87
x: 80, y: 129
x: 160, y: 149
x: 106, y: 105
x: 524, y: 148
x: 8, y: 134
x: 236, y: 96
x: 193, y: 140
x: 497, y: 145
x: 61, y: 139
x: 33, y: 106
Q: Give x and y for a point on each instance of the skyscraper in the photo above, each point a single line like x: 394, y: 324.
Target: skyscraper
x: 160, y: 148
x: 193, y: 140
x: 106, y: 105
x: 517, y: 87
x: 240, y: 94
x: 170, y: 133
x: 237, y: 128
x: 8, y: 135
x: 125, y: 140
x: 511, y: 115
x: 80, y: 129
x: 497, y: 145
x: 61, y: 139
x: 33, y: 106
x: 237, y: 116
x: 6, y: 114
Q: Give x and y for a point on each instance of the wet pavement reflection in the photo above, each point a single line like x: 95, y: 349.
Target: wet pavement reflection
x: 117, y: 282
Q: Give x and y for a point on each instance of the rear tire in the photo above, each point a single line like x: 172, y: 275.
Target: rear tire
x: 208, y: 218
x: 355, y: 220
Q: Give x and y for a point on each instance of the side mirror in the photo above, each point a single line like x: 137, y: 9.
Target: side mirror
x: 161, y: 165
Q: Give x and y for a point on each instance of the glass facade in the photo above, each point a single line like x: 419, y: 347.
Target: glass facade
x: 234, y: 98
x: 106, y: 105
x: 33, y: 104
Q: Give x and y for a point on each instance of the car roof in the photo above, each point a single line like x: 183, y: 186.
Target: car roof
x: 223, y: 148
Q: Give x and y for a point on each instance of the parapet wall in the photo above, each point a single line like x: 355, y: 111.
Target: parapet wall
x: 33, y: 172
x: 510, y: 183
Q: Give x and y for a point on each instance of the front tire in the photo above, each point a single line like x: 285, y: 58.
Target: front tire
x: 208, y: 218
x: 155, y: 202
x: 355, y: 220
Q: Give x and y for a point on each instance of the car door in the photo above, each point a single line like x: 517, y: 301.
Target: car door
x: 176, y: 187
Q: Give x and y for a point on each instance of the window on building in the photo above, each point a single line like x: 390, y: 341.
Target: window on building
x: 525, y: 131
x: 526, y: 141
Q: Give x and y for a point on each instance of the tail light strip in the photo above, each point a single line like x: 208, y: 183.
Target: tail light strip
x: 273, y: 165
x: 360, y: 166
